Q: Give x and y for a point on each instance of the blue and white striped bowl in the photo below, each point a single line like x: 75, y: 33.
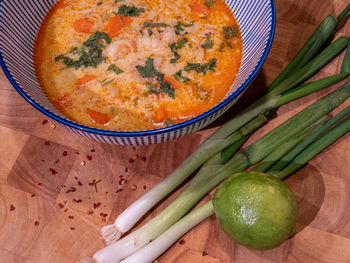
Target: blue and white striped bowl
x: 255, y: 17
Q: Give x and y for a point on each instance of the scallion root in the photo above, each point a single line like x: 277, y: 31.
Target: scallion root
x: 111, y: 234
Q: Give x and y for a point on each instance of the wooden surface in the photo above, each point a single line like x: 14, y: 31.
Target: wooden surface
x: 47, y: 201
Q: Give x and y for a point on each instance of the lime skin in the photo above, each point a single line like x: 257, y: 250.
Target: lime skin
x: 256, y: 210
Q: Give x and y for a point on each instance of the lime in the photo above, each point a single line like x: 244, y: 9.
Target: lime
x: 256, y: 210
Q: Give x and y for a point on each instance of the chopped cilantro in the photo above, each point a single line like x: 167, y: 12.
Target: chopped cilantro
x: 117, y: 1
x: 225, y: 43
x: 229, y: 31
x: 115, y: 69
x: 209, y: 3
x: 100, y: 3
x: 204, y: 68
x: 90, y: 54
x: 178, y: 76
x: 130, y: 10
x: 149, y: 71
x: 152, y: 88
x: 179, y: 28
x: 174, y: 47
x: 150, y: 24
x: 106, y: 82
x: 207, y: 42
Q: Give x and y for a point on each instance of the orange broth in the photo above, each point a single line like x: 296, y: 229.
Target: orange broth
x: 137, y: 65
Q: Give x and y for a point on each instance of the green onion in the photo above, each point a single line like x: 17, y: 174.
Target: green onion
x: 285, y: 160
x: 215, y: 142
x: 203, y: 182
x: 158, y: 246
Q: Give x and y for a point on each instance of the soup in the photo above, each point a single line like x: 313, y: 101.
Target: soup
x: 137, y: 65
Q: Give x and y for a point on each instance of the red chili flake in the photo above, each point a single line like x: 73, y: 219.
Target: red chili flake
x: 65, y: 210
x: 119, y: 190
x: 89, y: 157
x: 65, y: 153
x: 134, y: 148
x: 77, y: 200
x: 71, y: 217
x: 121, y: 176
x: 60, y: 205
x: 103, y: 220
x: 136, y: 156
x: 76, y: 177
x: 12, y: 208
x: 77, y: 152
x: 71, y: 190
x: 106, y: 193
x: 93, y: 150
x: 126, y: 169
x: 90, y: 212
x: 53, y: 171
x: 182, y: 242
x: 43, y: 161
x: 144, y: 187
x: 103, y: 215
x: 57, y: 161
x: 47, y: 143
x: 133, y: 187
x: 44, y: 122
x: 97, y: 205
x: 131, y: 160
x: 80, y: 184
x: 40, y: 184
x: 122, y: 181
x: 33, y: 195
x: 36, y: 223
x: 144, y: 159
x: 204, y: 253
x: 72, y: 228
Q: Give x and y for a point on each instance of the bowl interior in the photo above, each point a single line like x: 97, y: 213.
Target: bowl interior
x: 255, y: 17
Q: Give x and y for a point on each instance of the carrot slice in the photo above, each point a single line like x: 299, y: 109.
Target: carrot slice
x: 173, y: 82
x: 98, y: 117
x: 200, y: 9
x: 63, y: 101
x: 84, y: 80
x: 116, y: 24
x: 83, y: 25
x: 161, y: 114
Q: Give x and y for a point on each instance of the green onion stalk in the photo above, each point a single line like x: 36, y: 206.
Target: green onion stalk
x: 158, y: 246
x: 207, y: 179
x: 305, y: 65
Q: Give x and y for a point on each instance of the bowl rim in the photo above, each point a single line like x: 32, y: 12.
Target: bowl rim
x: 171, y: 128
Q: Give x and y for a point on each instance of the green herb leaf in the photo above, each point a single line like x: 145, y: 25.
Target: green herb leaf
x: 209, y: 3
x: 207, y: 42
x: 148, y: 70
x: 178, y: 76
x: 230, y: 31
x: 204, y: 68
x: 179, y: 28
x: 100, y: 3
x: 115, y: 69
x: 90, y: 54
x: 174, y: 47
x: 130, y: 10
x: 150, y: 24
x: 106, y: 82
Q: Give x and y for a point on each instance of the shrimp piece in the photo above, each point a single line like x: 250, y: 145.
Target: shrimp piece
x: 119, y: 49
x: 158, y: 40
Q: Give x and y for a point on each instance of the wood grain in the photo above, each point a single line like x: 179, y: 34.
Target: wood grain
x: 52, y: 212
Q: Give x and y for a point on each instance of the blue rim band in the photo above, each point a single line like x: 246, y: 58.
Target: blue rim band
x: 200, y: 117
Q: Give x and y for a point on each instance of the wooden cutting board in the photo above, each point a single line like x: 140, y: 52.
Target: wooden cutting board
x: 58, y: 189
